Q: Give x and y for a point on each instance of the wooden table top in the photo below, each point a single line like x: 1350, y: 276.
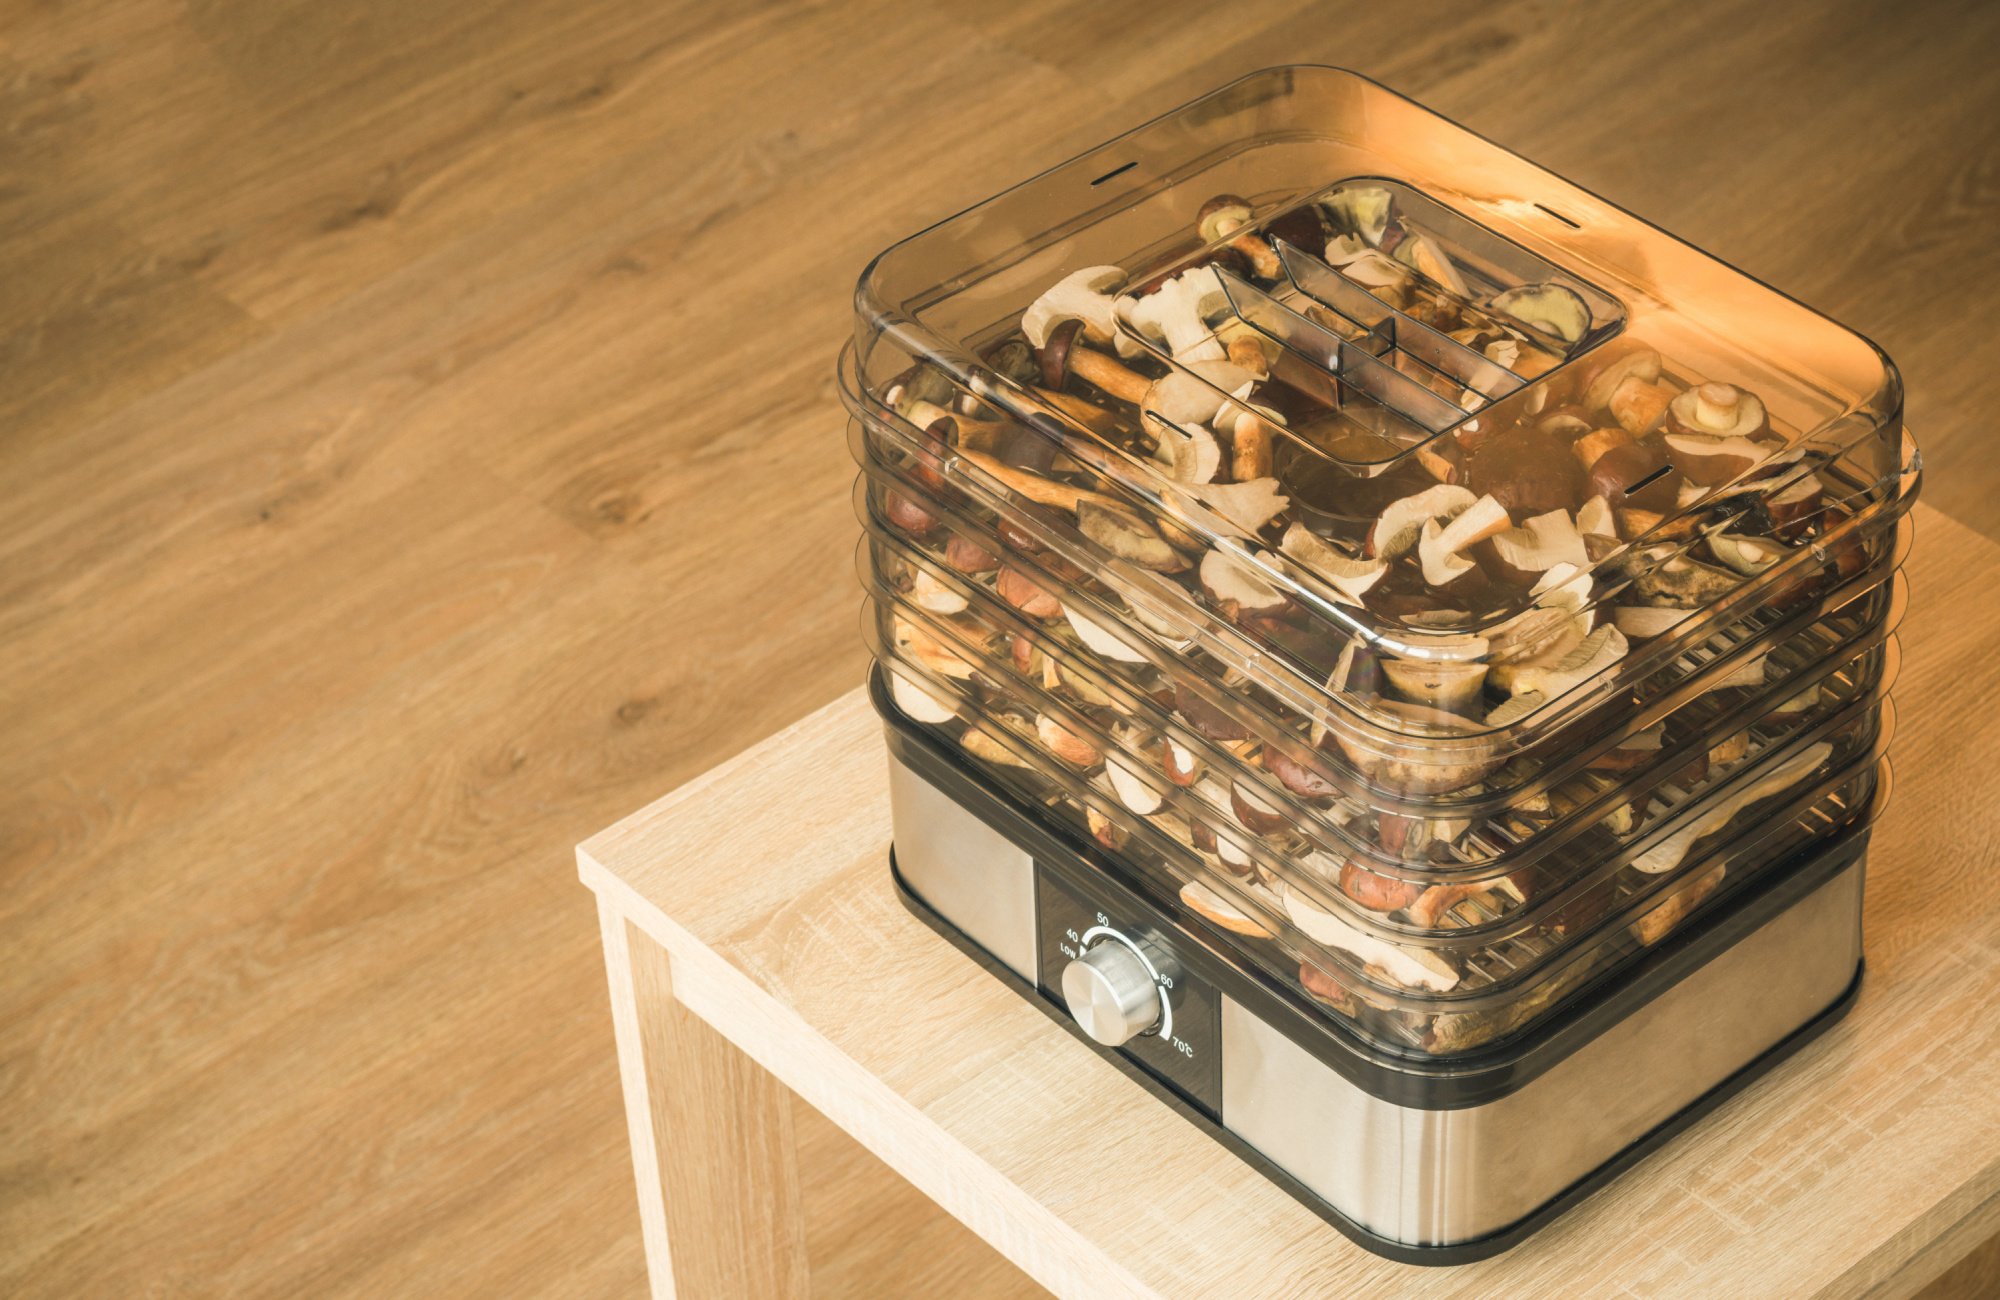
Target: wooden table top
x: 1861, y: 1167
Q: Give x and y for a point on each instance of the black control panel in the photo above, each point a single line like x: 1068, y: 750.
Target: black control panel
x: 1188, y: 1054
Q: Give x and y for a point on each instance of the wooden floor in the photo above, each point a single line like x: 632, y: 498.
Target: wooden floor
x: 418, y: 448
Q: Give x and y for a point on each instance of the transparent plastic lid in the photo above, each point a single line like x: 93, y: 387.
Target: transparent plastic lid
x: 1309, y: 363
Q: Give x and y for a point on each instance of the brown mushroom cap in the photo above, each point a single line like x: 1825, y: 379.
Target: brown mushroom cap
x: 1642, y: 465
x: 1527, y: 471
x: 1300, y: 779
x: 1224, y: 210
x: 1377, y: 893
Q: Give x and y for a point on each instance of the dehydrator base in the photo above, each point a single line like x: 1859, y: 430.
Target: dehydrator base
x: 1465, y: 1252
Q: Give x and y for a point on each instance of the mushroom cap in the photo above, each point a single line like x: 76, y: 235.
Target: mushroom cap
x: 1222, y: 208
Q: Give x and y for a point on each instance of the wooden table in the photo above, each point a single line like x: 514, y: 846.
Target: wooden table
x: 754, y: 945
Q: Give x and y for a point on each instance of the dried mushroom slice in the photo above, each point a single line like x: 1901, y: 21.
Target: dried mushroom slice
x: 1552, y: 310
x: 917, y: 701
x: 1100, y: 639
x: 1086, y: 296
x: 1208, y: 903
x: 1350, y: 576
x: 1410, y: 967
x: 1667, y: 854
x: 1128, y: 537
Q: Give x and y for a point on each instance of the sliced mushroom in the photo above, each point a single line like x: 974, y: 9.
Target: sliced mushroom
x: 907, y: 514
x: 1300, y: 779
x: 1181, y: 764
x: 1594, y: 655
x: 1086, y: 296
x: 1361, y: 212
x: 1236, y: 587
x: 1792, y: 509
x: 1402, y: 522
x: 1207, y: 903
x: 1066, y: 744
x: 1101, y: 639
x: 1688, y: 584
x: 1131, y: 788
x: 1482, y: 519
x: 917, y: 701
x: 1660, y: 920
x: 1423, y: 253
x: 1748, y: 673
x: 1718, y: 810
x: 1197, y: 453
x: 1256, y: 812
x: 935, y: 596
x: 1453, y: 687
x: 1378, y: 893
x: 1429, y: 910
x: 1106, y: 832
x: 1594, y: 519
x: 1351, y: 576
x: 1553, y: 309
x: 1195, y: 394
x: 1128, y: 537
x: 990, y: 749
x: 1540, y: 544
x: 1016, y: 589
x: 968, y: 556
x: 1410, y: 967
x: 1640, y: 622
x: 932, y: 653
x: 1794, y: 708
x: 1247, y: 505
x: 1747, y: 555
x: 1177, y: 311
x: 1531, y: 633
x: 1711, y: 462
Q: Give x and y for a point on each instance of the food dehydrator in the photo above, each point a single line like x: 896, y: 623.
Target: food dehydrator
x: 1390, y: 648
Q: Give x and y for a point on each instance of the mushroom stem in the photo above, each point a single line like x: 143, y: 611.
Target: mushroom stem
x: 1048, y: 492
x: 1122, y: 383
x: 1249, y: 354
x: 1715, y: 405
x: 1263, y: 258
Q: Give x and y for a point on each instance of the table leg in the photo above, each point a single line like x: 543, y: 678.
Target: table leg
x: 711, y: 1135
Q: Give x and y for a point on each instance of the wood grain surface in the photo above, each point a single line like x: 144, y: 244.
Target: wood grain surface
x: 1864, y: 1166
x: 402, y: 476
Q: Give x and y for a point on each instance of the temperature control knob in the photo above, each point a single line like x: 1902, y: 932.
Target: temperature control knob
x: 1110, y: 991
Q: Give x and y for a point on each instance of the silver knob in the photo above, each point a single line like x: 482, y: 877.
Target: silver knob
x: 1111, y: 992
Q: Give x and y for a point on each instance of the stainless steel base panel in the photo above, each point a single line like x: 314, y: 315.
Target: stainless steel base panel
x: 1438, y: 1177
x: 1434, y: 1177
